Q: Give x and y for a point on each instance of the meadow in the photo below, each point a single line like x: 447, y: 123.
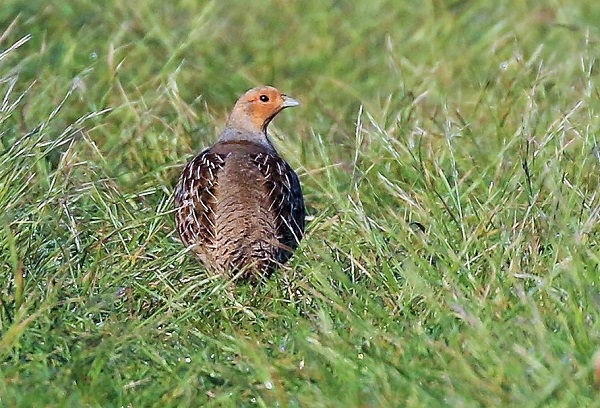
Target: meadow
x: 449, y: 157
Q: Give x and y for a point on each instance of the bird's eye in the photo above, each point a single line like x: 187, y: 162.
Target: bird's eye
x: 264, y: 98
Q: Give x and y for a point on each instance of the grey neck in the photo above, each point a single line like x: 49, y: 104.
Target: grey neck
x: 235, y: 135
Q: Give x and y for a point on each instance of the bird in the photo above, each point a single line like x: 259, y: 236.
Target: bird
x: 239, y: 205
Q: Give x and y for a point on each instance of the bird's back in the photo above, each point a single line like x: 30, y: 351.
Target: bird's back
x: 240, y: 207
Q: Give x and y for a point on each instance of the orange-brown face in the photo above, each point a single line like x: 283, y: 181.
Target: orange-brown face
x: 261, y: 104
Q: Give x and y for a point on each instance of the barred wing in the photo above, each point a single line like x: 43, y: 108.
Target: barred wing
x: 195, y: 199
x: 284, y: 198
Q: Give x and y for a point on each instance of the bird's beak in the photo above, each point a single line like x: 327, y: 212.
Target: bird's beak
x: 289, y: 102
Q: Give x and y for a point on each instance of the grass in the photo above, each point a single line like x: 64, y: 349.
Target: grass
x: 449, y: 156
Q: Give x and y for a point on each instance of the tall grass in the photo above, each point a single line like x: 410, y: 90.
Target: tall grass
x: 449, y: 156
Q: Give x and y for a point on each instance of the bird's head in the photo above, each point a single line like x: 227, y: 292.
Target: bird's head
x: 256, y: 108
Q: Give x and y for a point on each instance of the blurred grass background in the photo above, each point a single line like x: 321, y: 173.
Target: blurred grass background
x: 448, y: 152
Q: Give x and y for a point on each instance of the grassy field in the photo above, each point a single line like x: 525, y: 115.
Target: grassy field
x: 449, y: 156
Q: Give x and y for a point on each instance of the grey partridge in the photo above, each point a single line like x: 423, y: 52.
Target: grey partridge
x: 239, y: 205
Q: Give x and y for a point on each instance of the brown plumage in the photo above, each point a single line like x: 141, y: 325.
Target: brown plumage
x: 239, y: 205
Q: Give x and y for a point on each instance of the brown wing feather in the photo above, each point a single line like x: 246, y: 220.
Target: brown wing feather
x: 285, y: 200
x: 195, y: 200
